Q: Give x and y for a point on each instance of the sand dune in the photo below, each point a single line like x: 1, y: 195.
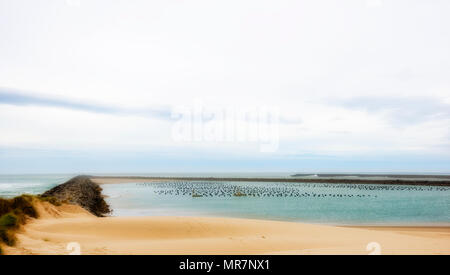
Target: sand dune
x: 59, y: 226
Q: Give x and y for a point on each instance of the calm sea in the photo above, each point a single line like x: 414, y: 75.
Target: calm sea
x: 341, y: 204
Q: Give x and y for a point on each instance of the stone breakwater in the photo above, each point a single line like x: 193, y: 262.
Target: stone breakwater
x: 83, y: 192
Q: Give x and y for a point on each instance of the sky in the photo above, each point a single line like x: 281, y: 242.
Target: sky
x: 107, y: 86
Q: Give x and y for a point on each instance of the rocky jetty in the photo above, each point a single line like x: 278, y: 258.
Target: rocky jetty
x: 83, y: 192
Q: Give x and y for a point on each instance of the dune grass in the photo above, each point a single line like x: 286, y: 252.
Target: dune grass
x: 8, y: 222
x: 51, y: 200
x: 15, y: 212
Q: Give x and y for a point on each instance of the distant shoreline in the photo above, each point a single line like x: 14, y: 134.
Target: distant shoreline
x: 405, y: 176
x: 125, y: 179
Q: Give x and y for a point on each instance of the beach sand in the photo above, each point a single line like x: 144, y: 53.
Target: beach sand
x: 58, y: 226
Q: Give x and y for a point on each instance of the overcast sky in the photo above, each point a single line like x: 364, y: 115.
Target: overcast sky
x: 89, y: 86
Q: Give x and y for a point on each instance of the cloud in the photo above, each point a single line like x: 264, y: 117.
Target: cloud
x: 401, y: 111
x: 348, y: 80
x: 19, y: 98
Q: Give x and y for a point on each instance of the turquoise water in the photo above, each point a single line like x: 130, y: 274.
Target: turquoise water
x: 13, y: 185
x: 303, y: 202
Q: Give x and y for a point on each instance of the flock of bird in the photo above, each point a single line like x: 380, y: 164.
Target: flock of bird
x: 319, y: 190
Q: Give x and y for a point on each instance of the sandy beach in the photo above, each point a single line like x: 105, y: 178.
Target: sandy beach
x: 58, y: 226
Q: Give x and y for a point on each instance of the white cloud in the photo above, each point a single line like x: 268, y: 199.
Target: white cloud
x: 56, y: 128
x: 304, y: 57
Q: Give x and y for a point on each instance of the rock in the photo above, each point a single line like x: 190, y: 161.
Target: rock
x: 83, y: 192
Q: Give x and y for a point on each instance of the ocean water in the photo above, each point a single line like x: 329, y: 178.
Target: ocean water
x: 13, y: 185
x: 341, y: 204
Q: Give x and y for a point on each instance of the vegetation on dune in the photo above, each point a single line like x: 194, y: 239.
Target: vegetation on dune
x: 8, y: 222
x: 51, y: 200
x: 14, y: 212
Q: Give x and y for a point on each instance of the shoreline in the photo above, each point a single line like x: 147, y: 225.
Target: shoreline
x: 164, y: 235
x: 127, y: 179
